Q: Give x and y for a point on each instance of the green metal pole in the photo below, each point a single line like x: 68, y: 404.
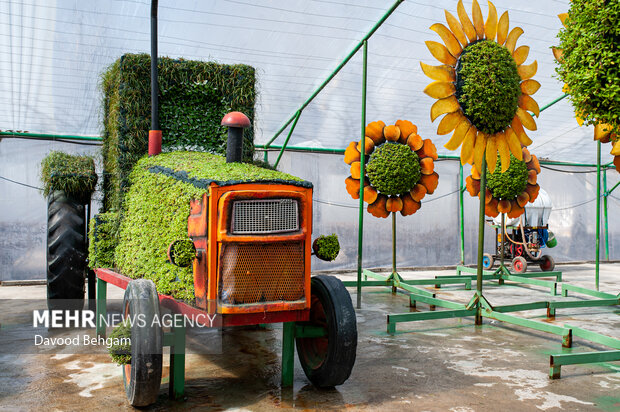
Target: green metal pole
x: 461, y: 214
x: 51, y: 136
x: 290, y: 133
x: 338, y: 68
x: 483, y: 187
x: 360, y: 239
x: 101, y: 311
x: 548, y: 105
x: 606, y: 194
x: 598, y: 211
x: 394, y: 273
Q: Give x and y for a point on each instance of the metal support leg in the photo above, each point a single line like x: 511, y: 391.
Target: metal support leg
x: 176, y: 387
x: 101, y: 311
x: 288, y: 353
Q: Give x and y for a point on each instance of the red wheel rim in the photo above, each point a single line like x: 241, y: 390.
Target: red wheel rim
x: 314, y: 350
x: 518, y: 265
x: 546, y: 264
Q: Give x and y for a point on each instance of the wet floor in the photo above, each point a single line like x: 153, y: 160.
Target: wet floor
x: 436, y: 365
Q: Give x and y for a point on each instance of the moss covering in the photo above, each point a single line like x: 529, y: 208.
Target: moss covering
x: 194, y: 96
x: 103, y: 235
x: 393, y: 169
x: 121, y: 353
x: 511, y: 183
x: 591, y: 52
x: 487, y: 86
x: 158, y: 205
x: 326, y: 247
x: 75, y: 175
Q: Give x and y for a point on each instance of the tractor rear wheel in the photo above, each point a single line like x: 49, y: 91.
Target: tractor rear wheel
x: 142, y: 376
x: 547, y: 264
x: 66, y: 251
x: 327, y: 361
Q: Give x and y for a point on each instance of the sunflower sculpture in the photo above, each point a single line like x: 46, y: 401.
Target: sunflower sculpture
x: 510, y: 191
x: 399, y: 170
x: 483, y: 87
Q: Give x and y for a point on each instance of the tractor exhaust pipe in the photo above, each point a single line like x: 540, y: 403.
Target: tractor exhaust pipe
x: 154, y: 133
x: 236, y: 122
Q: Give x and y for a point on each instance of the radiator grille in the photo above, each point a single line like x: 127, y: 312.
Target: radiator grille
x: 264, y: 216
x: 257, y: 273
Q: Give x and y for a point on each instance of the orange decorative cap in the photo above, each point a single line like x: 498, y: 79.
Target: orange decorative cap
x: 236, y: 119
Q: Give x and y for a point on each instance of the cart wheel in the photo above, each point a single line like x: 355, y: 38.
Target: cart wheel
x: 519, y: 264
x: 547, y: 264
x: 327, y: 361
x: 142, y: 377
x: 487, y: 261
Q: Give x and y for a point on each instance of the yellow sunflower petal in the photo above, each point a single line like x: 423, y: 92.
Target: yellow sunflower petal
x: 479, y: 148
x: 448, y: 38
x: 440, y: 90
x: 467, y: 151
x: 443, y: 106
x: 530, y: 86
x: 526, y: 119
x: 458, y: 136
x: 517, y: 127
x: 511, y: 40
x: 513, y: 143
x: 563, y: 17
x: 491, y: 153
x: 527, y: 103
x: 468, y: 28
x: 449, y: 122
x: 558, y: 54
x: 442, y: 73
x: 601, y: 130
x: 441, y: 53
x: 476, y: 14
x: 527, y: 72
x: 456, y: 28
x: 490, y: 27
x: 504, y: 151
x: 502, y: 28
x: 520, y: 54
x: 615, y: 150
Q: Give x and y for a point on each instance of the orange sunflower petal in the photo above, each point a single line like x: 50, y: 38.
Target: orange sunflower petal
x: 511, y: 40
x: 527, y: 103
x: 351, y: 154
x: 530, y: 86
x: 491, y: 153
x: 427, y: 166
x: 410, y: 206
x: 563, y: 17
x: 532, y: 176
x: 443, y: 106
x: 490, y: 209
x: 522, y: 199
x: 443, y: 73
x: 472, y: 185
x: 468, y: 27
x: 440, y: 52
x: 520, y: 54
x: 378, y: 208
x: 406, y: 128
x: 517, y: 127
x: 374, y: 130
x: 369, y: 146
x: 527, y: 71
x: 456, y: 28
x: 415, y: 142
x: 440, y: 90
x: 558, y: 54
x: 430, y: 182
x: 391, y: 133
x: 534, y: 164
x: 418, y: 192
x: 513, y: 143
x: 527, y: 157
x: 449, y: 122
x: 458, y: 136
x: 428, y: 149
x: 526, y: 119
x: 353, y: 187
x: 504, y: 206
x: 488, y: 196
x: 467, y: 151
x: 479, y: 148
x: 490, y: 27
x: 515, y: 210
x: 370, y: 194
x: 394, y: 204
x: 502, y: 28
x: 532, y: 191
x: 452, y: 44
x: 503, y: 150
x: 476, y: 14
x: 355, y: 170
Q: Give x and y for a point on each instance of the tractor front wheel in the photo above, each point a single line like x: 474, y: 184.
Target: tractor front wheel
x: 327, y: 361
x: 519, y: 264
x: 487, y: 261
x: 547, y: 264
x: 142, y: 376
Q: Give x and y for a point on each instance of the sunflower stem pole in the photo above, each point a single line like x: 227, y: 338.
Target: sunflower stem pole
x: 394, y: 273
x: 598, y: 211
x: 606, y: 194
x: 362, y: 174
x: 461, y: 214
x: 483, y: 187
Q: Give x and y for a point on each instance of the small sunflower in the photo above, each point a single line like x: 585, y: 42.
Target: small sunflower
x: 483, y: 87
x: 399, y: 170
x: 510, y: 191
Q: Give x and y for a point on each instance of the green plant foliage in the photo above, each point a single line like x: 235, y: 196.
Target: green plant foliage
x: 194, y: 96
x: 589, y: 67
x: 393, y: 169
x: 487, y: 86
x: 158, y: 206
x: 103, y: 238
x: 326, y: 247
x: 75, y: 175
x: 120, y: 349
x: 511, y: 183
x: 182, y: 252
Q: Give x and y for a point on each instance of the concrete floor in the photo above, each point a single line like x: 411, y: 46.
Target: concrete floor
x: 440, y: 365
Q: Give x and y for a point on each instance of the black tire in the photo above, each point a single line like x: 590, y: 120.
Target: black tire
x: 519, y: 265
x: 487, y: 261
x: 328, y: 361
x: 142, y: 376
x: 66, y: 251
x: 547, y: 264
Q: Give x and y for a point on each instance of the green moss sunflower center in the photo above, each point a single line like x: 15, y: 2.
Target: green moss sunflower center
x: 487, y: 86
x: 511, y: 183
x: 393, y: 169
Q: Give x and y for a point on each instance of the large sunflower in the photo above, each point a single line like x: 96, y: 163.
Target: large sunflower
x: 510, y: 191
x: 399, y: 170
x: 483, y: 87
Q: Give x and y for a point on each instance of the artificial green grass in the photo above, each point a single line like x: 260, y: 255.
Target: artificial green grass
x: 103, y: 234
x: 75, y: 175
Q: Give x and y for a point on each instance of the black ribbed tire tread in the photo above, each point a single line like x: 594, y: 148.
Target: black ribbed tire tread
x: 66, y: 247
